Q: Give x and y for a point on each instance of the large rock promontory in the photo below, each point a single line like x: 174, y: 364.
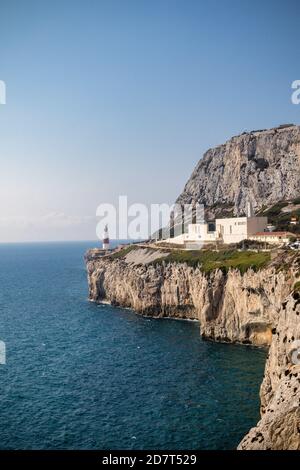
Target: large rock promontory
x: 251, y: 307
x: 261, y: 166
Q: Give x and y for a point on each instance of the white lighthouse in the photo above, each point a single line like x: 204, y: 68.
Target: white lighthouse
x: 105, y: 243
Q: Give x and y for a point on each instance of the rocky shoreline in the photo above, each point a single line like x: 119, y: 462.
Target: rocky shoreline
x: 258, y: 308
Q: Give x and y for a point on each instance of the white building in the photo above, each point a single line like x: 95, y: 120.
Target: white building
x: 231, y: 230
x: 234, y: 230
x: 293, y: 220
x: 225, y: 231
x: 273, y: 238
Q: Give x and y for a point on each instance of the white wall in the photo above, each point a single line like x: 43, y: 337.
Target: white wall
x: 179, y: 240
x: 199, y: 232
x: 269, y: 239
x: 232, y: 230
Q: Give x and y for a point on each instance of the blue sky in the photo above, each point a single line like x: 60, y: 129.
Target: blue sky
x: 123, y: 97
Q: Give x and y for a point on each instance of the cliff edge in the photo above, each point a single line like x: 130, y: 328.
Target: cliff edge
x: 252, y: 307
x: 279, y: 427
x: 236, y: 297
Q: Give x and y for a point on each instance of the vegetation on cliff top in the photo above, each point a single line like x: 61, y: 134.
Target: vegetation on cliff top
x: 123, y: 252
x: 210, y: 260
x: 280, y: 218
x: 297, y: 286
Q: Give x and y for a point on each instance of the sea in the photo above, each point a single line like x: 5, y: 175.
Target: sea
x: 78, y: 375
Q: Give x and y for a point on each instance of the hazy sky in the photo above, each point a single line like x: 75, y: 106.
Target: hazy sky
x: 111, y: 97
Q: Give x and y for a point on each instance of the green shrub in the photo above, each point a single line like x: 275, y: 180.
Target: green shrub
x: 282, y: 219
x: 275, y: 210
x: 123, y: 252
x: 210, y: 260
x: 297, y: 286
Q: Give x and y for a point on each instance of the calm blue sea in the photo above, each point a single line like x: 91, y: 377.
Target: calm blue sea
x: 84, y: 376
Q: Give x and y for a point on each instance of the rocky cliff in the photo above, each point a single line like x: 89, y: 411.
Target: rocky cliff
x: 248, y: 308
x: 279, y: 427
x: 260, y: 166
x: 230, y: 306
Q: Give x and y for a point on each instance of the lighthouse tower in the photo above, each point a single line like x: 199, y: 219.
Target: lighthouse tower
x: 105, y: 243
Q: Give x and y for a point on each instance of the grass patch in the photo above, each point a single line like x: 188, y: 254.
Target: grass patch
x: 297, y: 286
x: 123, y: 252
x: 282, y: 219
x: 210, y: 260
x: 275, y: 210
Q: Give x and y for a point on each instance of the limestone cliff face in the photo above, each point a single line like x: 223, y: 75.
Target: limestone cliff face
x: 255, y: 308
x: 262, y: 166
x: 279, y: 427
x: 230, y: 307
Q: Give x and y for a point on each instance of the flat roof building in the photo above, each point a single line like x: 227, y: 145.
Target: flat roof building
x: 227, y: 231
x: 273, y: 237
